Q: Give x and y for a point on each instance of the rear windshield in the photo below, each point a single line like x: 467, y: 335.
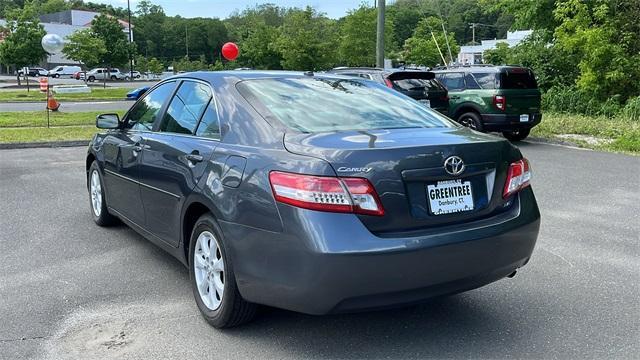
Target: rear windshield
x: 517, y: 79
x: 418, y: 84
x: 320, y: 104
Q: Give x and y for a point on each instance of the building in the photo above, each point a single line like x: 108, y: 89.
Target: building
x: 473, y: 54
x: 65, y: 23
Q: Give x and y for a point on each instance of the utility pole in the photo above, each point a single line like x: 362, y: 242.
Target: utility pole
x: 130, y: 41
x: 380, y: 35
x: 186, y: 38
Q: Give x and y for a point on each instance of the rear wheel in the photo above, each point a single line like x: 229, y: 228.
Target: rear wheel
x: 114, y: 78
x: 516, y: 135
x: 97, y: 201
x: 471, y: 120
x: 212, y: 277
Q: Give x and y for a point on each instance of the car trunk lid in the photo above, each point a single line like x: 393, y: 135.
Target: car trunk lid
x: 405, y: 164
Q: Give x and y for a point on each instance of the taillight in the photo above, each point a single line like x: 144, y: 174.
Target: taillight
x: 500, y: 102
x: 325, y: 193
x: 518, y: 177
x: 388, y: 83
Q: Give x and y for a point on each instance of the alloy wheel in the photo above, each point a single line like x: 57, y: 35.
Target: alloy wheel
x: 468, y: 122
x: 209, y: 270
x: 96, y: 193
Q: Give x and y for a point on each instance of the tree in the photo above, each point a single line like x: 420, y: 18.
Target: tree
x: 421, y: 49
x: 154, y: 66
x: 21, y: 47
x: 258, y: 51
x: 497, y: 56
x: 85, y: 47
x: 307, y: 41
x: 109, y: 30
x: 358, y: 37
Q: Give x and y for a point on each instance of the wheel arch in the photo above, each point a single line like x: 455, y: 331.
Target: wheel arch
x: 193, y: 209
x: 467, y: 107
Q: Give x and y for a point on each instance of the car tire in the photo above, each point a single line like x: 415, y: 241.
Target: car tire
x: 91, y: 79
x: 97, y: 199
x: 471, y: 120
x: 517, y: 135
x: 206, y: 271
x: 56, y: 75
x: 114, y: 78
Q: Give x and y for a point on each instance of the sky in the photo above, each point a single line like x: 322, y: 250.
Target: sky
x: 223, y: 8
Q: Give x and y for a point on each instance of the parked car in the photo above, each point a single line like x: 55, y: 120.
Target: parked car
x: 33, y: 71
x: 64, y: 71
x: 104, y: 73
x: 493, y: 98
x: 137, y: 93
x: 136, y: 75
x: 317, y: 193
x: 419, y: 85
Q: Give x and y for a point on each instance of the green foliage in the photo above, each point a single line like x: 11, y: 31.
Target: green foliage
x: 154, y: 66
x: 258, y: 51
x: 632, y: 109
x: 85, y: 47
x: 421, y: 49
x: 109, y: 30
x: 21, y: 47
x: 497, y: 56
x: 358, y: 37
x: 307, y: 40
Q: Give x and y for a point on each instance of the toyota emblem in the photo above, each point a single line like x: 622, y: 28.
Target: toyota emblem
x: 454, y: 165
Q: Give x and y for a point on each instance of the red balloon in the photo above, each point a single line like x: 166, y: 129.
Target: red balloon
x: 230, y: 51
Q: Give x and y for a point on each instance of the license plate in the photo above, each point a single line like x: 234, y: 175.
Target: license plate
x: 426, y: 103
x: 451, y: 196
x: 524, y: 118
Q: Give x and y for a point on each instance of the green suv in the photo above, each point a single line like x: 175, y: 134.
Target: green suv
x: 493, y: 98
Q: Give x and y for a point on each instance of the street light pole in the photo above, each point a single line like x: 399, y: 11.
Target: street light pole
x: 380, y: 35
x: 130, y: 41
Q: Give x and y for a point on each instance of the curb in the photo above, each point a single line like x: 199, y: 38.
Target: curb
x: 45, y: 144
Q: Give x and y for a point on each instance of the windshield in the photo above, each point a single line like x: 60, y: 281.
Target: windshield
x: 418, y: 84
x: 319, y: 105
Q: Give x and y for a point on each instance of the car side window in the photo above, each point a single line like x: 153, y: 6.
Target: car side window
x: 470, y: 82
x: 453, y: 81
x: 210, y: 124
x: 186, y: 107
x: 486, y: 80
x: 143, y: 114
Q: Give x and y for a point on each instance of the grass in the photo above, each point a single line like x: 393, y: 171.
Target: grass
x: 36, y: 95
x: 30, y: 126
x: 617, y: 134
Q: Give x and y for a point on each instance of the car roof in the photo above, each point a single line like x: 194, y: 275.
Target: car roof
x: 240, y: 75
x: 477, y: 68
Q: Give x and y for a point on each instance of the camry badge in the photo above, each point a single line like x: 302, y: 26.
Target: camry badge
x: 454, y: 165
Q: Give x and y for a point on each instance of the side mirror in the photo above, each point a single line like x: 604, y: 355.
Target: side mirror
x: 108, y: 121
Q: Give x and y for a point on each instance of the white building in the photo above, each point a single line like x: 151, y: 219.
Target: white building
x: 472, y: 54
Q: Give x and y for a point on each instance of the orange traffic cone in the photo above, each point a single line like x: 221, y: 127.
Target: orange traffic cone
x: 52, y: 104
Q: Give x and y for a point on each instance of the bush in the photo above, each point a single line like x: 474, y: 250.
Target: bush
x: 632, y: 109
x: 570, y: 100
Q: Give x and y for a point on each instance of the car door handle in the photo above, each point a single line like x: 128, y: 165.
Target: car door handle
x: 455, y: 97
x: 138, y: 147
x: 195, y: 158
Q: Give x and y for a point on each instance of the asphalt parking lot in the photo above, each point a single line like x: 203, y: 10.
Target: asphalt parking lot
x: 69, y: 289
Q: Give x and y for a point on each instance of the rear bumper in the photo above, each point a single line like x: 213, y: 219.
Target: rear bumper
x: 509, y: 122
x: 327, y: 263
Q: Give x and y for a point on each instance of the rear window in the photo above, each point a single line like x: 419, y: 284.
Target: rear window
x: 320, y: 104
x: 418, y: 84
x: 485, y: 80
x: 518, y: 79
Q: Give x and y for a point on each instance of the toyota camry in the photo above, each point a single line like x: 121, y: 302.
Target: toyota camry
x: 317, y: 193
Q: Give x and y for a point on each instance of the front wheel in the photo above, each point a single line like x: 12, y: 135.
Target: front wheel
x: 212, y: 278
x: 97, y: 201
x: 91, y: 79
x: 516, y: 135
x: 56, y: 76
